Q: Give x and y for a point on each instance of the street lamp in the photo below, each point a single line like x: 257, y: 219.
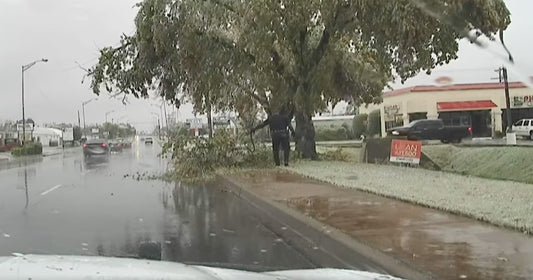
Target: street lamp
x: 83, y: 109
x: 107, y: 113
x: 120, y: 118
x: 162, y: 106
x: 24, y: 68
x: 158, y: 125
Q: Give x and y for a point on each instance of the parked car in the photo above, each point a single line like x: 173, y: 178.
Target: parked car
x: 432, y: 130
x: 115, y: 146
x: 8, y: 144
x: 96, y: 147
x: 524, y: 128
x: 148, y: 140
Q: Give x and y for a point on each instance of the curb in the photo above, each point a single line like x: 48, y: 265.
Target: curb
x: 338, y: 250
x: 52, y: 154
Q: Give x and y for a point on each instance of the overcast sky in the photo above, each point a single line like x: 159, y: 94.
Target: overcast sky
x: 70, y: 31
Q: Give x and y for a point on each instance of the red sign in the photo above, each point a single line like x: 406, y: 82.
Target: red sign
x: 405, y: 151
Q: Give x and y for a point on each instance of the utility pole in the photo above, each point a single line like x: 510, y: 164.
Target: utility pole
x: 107, y: 113
x: 158, y: 125
x: 166, y: 117
x: 502, y: 74
x: 24, y: 68
x: 159, y: 128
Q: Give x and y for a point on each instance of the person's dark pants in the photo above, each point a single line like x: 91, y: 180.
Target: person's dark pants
x: 281, y: 139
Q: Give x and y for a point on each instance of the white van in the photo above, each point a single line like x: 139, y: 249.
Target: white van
x: 524, y: 128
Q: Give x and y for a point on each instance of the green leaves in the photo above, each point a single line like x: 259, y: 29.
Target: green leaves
x: 198, y: 157
x: 237, y: 55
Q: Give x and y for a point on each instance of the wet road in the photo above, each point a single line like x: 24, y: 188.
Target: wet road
x: 67, y: 205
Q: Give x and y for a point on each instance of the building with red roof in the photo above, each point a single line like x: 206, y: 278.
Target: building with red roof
x: 479, y: 105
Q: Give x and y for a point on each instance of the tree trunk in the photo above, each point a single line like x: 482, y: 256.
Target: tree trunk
x: 305, y: 136
x: 210, y: 121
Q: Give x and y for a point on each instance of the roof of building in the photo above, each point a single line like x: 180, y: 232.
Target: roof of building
x: 47, y: 131
x: 428, y: 88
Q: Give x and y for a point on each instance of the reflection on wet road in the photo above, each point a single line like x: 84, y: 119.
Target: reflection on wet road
x: 65, y: 204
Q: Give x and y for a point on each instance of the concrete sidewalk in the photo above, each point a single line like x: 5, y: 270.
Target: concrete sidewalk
x: 5, y: 156
x: 444, y: 245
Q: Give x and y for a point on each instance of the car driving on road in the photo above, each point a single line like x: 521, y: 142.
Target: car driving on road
x: 115, y: 146
x: 124, y: 143
x: 432, y: 130
x: 148, y: 140
x: 96, y: 147
x: 524, y: 128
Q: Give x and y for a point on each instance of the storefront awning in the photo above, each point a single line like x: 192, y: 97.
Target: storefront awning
x: 465, y: 105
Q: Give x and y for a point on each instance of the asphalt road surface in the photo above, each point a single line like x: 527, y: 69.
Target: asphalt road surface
x: 65, y: 204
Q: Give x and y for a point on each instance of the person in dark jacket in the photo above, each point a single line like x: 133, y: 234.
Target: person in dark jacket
x: 280, y: 125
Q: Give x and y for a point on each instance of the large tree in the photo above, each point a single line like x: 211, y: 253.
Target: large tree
x: 241, y: 55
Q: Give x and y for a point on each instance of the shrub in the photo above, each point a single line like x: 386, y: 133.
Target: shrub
x: 338, y: 134
x: 359, y: 125
x: 198, y: 157
x: 335, y: 155
x: 348, y: 130
x: 28, y: 149
x: 374, y: 123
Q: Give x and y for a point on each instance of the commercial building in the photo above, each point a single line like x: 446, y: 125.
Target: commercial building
x: 481, y: 106
x: 48, y: 136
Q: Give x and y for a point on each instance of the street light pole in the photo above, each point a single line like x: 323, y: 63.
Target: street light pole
x: 23, y: 114
x: 107, y: 113
x: 158, y: 125
x: 83, y: 109
x: 24, y: 68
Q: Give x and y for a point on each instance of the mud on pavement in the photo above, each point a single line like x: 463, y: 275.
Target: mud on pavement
x: 321, y: 244
x: 381, y: 230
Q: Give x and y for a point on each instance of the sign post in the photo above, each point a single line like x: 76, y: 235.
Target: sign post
x: 405, y: 151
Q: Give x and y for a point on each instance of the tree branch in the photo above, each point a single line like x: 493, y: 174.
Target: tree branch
x: 323, y: 44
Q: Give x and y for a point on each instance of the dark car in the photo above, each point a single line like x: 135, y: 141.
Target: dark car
x: 8, y: 144
x: 95, y: 147
x: 431, y: 130
x: 148, y: 140
x: 115, y: 146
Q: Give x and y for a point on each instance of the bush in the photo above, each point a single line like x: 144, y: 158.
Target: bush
x: 335, y: 155
x: 198, y: 157
x: 28, y: 149
x: 359, y: 125
x: 374, y: 123
x: 349, y: 131
x: 338, y: 134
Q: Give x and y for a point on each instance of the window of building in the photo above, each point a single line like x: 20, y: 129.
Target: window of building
x: 417, y: 116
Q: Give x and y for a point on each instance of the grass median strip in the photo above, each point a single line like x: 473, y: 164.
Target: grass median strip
x: 503, y: 163
x: 502, y: 203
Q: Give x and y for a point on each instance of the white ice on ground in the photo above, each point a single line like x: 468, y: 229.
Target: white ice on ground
x: 93, y: 267
x: 504, y: 203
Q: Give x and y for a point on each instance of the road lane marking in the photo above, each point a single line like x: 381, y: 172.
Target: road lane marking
x: 51, y: 190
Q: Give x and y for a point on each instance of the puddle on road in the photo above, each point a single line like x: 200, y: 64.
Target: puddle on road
x: 449, y: 246
x: 202, y: 224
